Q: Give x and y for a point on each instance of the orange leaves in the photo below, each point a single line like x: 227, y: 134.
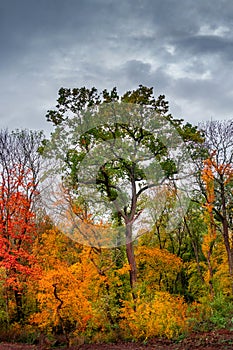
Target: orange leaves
x: 214, y: 170
x: 68, y: 303
x: 209, y: 240
x: 210, y: 167
x: 67, y: 285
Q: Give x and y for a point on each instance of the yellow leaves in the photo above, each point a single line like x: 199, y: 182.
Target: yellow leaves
x: 222, y: 279
x: 208, y: 242
x: 157, y: 256
x: 158, y: 261
x: 165, y: 315
x: 157, y: 268
x: 52, y: 247
x: 124, y: 270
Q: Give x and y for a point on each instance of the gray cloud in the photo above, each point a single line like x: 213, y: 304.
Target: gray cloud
x: 182, y: 48
x: 208, y: 44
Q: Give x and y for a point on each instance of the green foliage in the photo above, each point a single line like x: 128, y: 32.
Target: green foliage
x: 214, y: 314
x: 222, y: 311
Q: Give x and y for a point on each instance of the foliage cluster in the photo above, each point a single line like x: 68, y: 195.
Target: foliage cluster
x: 170, y: 281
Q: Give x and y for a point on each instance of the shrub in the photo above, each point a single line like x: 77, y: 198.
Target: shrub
x: 165, y: 315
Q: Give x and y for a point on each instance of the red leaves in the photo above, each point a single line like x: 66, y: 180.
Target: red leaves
x: 17, y: 223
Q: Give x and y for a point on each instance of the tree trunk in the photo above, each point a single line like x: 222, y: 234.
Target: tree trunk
x: 19, y: 308
x: 226, y: 233
x: 210, y: 268
x: 7, y: 307
x: 131, y: 257
x: 195, y: 249
x: 227, y: 246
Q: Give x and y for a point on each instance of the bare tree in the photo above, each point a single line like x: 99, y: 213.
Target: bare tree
x: 219, y: 143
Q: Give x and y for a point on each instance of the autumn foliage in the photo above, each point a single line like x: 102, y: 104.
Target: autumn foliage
x: 58, y: 289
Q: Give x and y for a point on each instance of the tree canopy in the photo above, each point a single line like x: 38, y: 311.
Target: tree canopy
x: 116, y: 149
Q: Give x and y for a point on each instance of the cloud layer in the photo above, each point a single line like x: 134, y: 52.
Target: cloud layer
x: 182, y: 48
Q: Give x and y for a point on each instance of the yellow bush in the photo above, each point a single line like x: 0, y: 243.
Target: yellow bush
x: 165, y: 315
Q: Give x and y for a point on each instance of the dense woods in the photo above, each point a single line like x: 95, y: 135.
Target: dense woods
x: 167, y: 280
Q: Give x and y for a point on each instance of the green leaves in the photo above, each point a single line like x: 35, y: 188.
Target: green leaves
x: 117, y: 148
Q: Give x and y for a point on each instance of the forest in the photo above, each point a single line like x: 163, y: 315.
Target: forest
x: 118, y: 226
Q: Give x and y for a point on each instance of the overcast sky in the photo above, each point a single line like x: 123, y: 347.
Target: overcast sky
x: 183, y: 48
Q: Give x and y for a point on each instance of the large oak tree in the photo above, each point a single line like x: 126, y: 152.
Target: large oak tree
x: 130, y: 142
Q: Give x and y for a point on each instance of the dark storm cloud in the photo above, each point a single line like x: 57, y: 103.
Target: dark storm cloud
x: 207, y: 44
x: 183, y: 48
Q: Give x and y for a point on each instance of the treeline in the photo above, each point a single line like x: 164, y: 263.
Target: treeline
x: 138, y: 239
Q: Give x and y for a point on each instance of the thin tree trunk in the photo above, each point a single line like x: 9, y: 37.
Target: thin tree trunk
x: 7, y: 307
x: 210, y: 268
x: 131, y: 258
x: 61, y: 321
x: 18, y: 300
x: 195, y: 248
x: 226, y: 234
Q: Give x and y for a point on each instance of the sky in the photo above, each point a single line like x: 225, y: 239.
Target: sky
x: 183, y: 48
